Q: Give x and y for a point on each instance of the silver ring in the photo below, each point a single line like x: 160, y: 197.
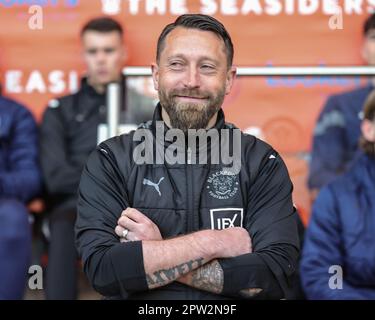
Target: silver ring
x: 125, y: 233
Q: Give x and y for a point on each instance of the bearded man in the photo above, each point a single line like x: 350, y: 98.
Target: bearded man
x: 187, y: 230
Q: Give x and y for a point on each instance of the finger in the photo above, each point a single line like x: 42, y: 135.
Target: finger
x: 127, y: 223
x: 131, y: 236
x: 135, y: 215
x: 119, y: 231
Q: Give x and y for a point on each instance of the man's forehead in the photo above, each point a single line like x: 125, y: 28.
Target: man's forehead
x: 101, y: 36
x: 189, y: 38
x: 183, y: 32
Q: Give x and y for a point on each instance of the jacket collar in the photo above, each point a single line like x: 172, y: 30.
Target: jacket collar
x: 87, y: 88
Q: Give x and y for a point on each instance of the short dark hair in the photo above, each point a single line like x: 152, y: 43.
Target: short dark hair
x: 200, y: 22
x: 369, y: 114
x: 102, y: 24
x: 369, y: 24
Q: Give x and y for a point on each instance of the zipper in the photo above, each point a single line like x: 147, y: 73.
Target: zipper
x: 189, y: 193
x: 189, y: 155
x: 190, y: 203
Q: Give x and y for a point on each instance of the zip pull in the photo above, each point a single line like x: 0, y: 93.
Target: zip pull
x: 189, y: 155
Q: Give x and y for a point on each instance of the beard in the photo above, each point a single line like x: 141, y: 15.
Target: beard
x: 192, y: 115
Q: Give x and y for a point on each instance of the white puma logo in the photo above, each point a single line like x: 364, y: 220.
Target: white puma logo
x: 152, y: 184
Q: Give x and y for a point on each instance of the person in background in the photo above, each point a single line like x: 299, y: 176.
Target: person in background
x: 338, y: 260
x: 20, y: 181
x: 337, y: 130
x: 69, y: 132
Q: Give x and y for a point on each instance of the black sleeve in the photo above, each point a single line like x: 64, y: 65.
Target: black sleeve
x: 272, y: 227
x: 60, y: 175
x: 113, y: 268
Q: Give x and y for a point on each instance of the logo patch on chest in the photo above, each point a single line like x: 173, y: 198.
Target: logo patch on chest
x: 148, y: 182
x: 222, y: 185
x: 226, y: 218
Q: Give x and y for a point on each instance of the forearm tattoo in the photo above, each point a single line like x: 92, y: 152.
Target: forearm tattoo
x: 165, y: 276
x: 209, y: 277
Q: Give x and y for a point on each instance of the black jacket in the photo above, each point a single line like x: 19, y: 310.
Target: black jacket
x: 69, y: 133
x: 191, y: 197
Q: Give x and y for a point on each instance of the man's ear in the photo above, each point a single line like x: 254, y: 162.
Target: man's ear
x: 368, y: 130
x: 155, y: 75
x: 231, y: 75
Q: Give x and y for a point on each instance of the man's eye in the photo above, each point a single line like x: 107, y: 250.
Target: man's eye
x: 92, y: 51
x: 207, y: 68
x: 176, y: 65
x: 110, y: 50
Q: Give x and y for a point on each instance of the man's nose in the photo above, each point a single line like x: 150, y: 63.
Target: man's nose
x: 192, y: 78
x: 100, y: 57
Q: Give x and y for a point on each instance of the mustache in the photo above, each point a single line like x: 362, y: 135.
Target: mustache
x: 192, y: 93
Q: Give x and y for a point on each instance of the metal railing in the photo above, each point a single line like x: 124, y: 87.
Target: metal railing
x: 114, y: 89
x: 278, y: 71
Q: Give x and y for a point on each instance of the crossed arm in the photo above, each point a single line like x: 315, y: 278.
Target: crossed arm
x: 189, y: 259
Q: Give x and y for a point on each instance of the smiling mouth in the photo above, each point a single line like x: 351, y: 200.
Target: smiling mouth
x: 191, y: 98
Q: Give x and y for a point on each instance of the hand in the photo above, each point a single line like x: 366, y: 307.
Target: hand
x: 140, y: 227
x: 233, y: 242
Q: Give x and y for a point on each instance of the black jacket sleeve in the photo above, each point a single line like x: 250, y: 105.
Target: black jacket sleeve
x: 113, y: 268
x: 60, y: 174
x: 272, y: 227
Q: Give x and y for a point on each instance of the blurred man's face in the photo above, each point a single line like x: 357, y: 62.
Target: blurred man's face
x: 368, y: 51
x: 104, y: 56
x: 192, y: 77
